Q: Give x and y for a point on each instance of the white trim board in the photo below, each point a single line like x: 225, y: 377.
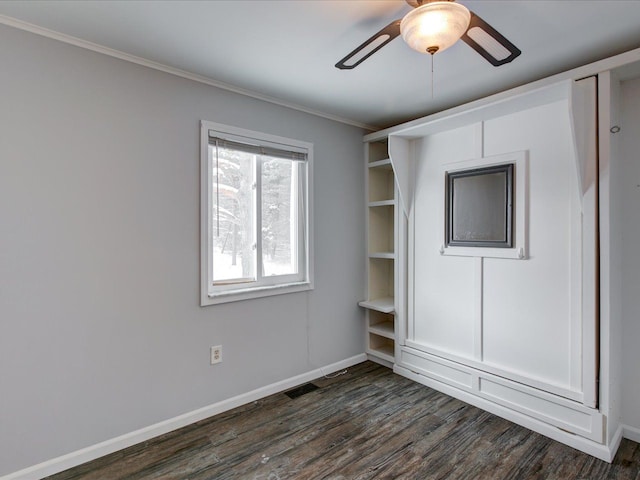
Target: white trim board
x: 78, y: 42
x: 614, y: 441
x: 410, y: 128
x: 585, y: 445
x: 518, y: 251
x: 552, y: 409
x: 73, y: 459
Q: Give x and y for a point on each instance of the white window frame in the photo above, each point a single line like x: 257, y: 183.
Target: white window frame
x: 519, y: 249
x: 275, y: 285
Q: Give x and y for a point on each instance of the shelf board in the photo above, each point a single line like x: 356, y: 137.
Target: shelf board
x: 385, y: 164
x: 385, y: 352
x: 383, y: 329
x: 384, y: 304
x: 389, y: 255
x: 383, y: 203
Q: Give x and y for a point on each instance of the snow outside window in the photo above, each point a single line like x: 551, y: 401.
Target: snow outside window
x: 256, y: 215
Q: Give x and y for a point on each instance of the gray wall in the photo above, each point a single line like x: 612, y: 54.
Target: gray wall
x: 101, y: 332
x: 628, y: 192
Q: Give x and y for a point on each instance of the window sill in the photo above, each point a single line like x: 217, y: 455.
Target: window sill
x: 257, y: 292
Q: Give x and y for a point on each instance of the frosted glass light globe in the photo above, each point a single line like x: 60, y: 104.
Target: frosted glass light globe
x: 435, y: 26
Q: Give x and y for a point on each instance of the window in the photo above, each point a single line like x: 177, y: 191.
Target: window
x: 479, y: 207
x: 255, y: 195
x: 485, y: 207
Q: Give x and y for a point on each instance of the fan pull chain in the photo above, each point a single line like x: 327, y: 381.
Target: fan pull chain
x: 432, y: 76
x: 432, y: 51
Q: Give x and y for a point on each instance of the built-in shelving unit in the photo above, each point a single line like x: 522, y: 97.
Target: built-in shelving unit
x: 382, y: 210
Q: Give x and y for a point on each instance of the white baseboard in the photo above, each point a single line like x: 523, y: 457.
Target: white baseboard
x: 614, y: 444
x: 631, y: 433
x: 84, y: 455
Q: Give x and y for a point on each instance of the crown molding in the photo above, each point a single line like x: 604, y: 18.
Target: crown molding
x: 78, y: 42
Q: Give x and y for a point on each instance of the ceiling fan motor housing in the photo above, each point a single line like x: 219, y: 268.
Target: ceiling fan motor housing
x: 417, y: 3
x: 435, y: 26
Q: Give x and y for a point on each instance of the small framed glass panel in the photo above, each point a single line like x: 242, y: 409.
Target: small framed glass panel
x: 479, y: 207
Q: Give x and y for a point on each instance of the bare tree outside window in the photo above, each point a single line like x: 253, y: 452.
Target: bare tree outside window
x: 279, y: 214
x: 256, y: 215
x: 235, y: 218
x: 233, y: 212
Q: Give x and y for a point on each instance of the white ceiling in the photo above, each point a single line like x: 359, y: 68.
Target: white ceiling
x: 286, y: 49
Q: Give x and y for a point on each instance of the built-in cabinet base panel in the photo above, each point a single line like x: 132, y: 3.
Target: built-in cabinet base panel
x: 556, y: 417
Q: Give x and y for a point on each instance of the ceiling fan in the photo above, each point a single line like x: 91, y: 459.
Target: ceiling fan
x: 433, y: 26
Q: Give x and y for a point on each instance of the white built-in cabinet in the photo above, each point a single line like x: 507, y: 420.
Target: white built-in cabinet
x: 382, y: 210
x: 514, y: 334
x: 537, y: 336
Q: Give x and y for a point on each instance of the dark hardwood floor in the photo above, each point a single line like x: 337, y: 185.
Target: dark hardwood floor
x: 368, y: 423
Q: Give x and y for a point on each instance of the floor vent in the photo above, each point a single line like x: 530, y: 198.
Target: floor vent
x: 301, y: 390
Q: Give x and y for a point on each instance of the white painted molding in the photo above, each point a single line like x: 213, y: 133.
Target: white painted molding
x: 422, y: 349
x: 594, y: 68
x: 402, y: 163
x: 583, y: 118
x: 630, y: 433
x: 614, y: 442
x: 519, y: 251
x: 78, y: 42
x: 603, y: 452
x: 98, y: 450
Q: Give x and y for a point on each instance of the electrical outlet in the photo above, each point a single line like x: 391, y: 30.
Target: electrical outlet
x: 216, y: 354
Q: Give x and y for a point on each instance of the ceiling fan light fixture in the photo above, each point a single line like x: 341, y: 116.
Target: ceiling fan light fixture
x: 435, y: 26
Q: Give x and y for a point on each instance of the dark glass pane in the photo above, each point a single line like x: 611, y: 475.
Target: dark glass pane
x: 479, y: 205
x: 479, y: 208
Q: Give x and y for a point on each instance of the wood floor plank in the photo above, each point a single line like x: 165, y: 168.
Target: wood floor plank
x: 367, y: 424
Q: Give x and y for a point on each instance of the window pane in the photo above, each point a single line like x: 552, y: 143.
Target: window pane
x: 480, y: 208
x: 279, y: 217
x: 233, y: 197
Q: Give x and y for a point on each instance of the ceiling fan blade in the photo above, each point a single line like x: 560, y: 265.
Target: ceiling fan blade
x: 370, y: 46
x: 489, y: 43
